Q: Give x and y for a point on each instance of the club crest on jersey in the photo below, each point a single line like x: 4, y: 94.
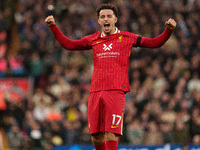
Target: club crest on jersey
x: 109, y: 47
x: 120, y: 38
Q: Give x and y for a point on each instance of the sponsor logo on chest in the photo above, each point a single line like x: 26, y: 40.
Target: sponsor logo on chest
x: 108, y: 51
x: 109, y: 47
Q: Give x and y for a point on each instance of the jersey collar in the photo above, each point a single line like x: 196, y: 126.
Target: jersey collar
x: 116, y: 31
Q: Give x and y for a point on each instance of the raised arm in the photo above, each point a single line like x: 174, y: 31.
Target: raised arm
x: 161, y: 39
x: 81, y: 44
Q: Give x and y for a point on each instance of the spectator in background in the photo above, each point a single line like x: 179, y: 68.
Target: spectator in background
x: 135, y: 132
x: 15, y: 137
x: 153, y: 136
x: 85, y: 135
x: 40, y: 112
x: 60, y: 87
x: 16, y: 66
x: 40, y: 96
x: 167, y: 132
x: 195, y: 122
x: 194, y: 83
x: 71, y: 131
x: 2, y: 27
x: 8, y: 15
x: 3, y: 66
x: 36, y: 67
x: 181, y: 132
x: 3, y: 47
x: 196, y: 139
x: 57, y: 133
x: 35, y: 136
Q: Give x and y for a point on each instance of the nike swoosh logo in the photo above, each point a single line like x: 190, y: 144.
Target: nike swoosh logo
x: 114, y: 127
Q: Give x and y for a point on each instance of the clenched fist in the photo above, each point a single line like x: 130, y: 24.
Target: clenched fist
x: 170, y: 24
x: 50, y: 21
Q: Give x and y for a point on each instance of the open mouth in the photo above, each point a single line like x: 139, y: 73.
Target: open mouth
x: 106, y: 25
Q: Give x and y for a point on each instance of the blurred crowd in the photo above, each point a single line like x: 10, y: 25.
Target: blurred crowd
x: 163, y: 105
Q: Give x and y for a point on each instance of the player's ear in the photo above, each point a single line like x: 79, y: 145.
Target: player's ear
x: 115, y: 19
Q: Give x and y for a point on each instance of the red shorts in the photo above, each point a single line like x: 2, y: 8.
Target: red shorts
x: 105, y: 111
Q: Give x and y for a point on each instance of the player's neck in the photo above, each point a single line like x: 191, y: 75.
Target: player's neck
x: 116, y: 31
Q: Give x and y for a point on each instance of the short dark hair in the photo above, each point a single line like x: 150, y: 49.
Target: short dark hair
x: 107, y: 6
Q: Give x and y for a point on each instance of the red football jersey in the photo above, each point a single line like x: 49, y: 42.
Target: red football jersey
x: 111, y: 60
x: 110, y: 55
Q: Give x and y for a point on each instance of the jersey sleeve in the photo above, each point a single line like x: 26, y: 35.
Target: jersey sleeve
x: 154, y: 42
x: 82, y: 44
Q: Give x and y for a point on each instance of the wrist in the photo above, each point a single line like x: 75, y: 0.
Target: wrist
x: 51, y: 24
